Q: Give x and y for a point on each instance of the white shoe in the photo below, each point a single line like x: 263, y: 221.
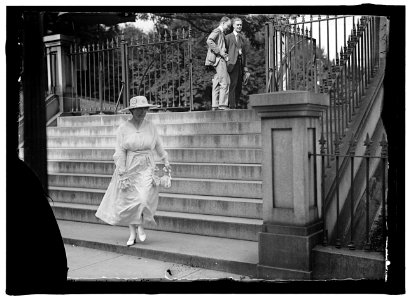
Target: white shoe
x: 131, y: 242
x: 141, y: 234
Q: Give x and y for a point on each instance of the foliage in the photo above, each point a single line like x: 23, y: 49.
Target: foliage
x: 162, y: 82
x: 130, y: 32
x: 201, y: 26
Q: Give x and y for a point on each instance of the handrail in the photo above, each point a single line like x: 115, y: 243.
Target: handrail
x: 329, y: 181
x: 358, y: 126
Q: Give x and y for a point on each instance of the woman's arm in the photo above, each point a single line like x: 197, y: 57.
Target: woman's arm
x: 120, y: 153
x: 159, y: 148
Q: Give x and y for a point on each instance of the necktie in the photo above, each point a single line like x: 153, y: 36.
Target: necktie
x: 238, y: 45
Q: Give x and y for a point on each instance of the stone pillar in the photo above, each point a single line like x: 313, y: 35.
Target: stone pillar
x: 58, y: 46
x: 290, y: 129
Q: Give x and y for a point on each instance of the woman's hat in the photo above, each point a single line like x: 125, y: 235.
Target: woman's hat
x: 138, y: 102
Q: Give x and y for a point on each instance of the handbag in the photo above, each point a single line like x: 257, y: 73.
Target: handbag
x: 165, y: 180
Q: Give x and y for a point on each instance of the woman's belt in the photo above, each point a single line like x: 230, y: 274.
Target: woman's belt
x: 142, y: 152
x: 147, y: 153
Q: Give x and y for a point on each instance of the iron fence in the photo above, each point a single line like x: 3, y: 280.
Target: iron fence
x: 105, y: 75
x: 353, y: 201
x: 295, y: 60
x: 339, y: 56
x: 290, y: 58
x: 161, y: 69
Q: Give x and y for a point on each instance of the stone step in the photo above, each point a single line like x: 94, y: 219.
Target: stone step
x: 221, y: 254
x: 199, y: 155
x: 207, y: 205
x: 187, y: 141
x: 239, y: 115
x: 207, y: 225
x: 182, y: 170
x: 164, y: 129
x: 188, y: 186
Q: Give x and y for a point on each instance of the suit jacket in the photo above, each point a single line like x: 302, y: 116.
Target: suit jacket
x: 233, y: 46
x: 216, y: 47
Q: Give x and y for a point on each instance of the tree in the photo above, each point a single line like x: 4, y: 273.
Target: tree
x: 201, y: 26
x: 155, y: 76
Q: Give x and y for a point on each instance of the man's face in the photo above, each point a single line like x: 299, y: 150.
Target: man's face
x: 226, y: 25
x: 238, y: 25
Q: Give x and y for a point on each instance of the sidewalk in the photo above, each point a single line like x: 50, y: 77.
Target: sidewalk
x: 86, y: 263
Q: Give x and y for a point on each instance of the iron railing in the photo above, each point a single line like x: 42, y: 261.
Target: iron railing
x: 161, y: 69
x: 354, y: 201
x: 290, y: 58
x: 295, y: 61
x: 96, y: 74
x: 156, y: 66
x: 339, y: 56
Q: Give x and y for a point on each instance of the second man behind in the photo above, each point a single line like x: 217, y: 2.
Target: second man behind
x: 237, y: 62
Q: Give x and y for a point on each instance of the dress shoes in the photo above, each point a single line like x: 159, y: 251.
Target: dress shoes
x: 131, y: 242
x: 141, y: 234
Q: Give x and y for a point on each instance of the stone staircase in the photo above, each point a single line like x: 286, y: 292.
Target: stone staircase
x: 216, y: 191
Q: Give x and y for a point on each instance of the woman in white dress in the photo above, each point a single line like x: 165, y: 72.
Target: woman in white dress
x: 132, y: 196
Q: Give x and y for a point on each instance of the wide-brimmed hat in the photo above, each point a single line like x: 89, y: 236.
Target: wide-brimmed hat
x: 138, y: 102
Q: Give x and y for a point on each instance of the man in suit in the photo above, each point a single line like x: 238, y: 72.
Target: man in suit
x: 217, y: 57
x: 237, y: 63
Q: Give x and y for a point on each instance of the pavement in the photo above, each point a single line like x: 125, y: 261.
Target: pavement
x: 86, y: 263
x: 208, y: 252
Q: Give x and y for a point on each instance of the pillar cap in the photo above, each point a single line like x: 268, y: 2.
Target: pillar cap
x: 58, y: 38
x: 289, y: 104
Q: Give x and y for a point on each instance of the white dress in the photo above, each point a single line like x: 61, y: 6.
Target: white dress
x: 134, y: 160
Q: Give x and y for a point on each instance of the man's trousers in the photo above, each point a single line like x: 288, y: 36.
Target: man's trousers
x: 235, y: 84
x: 221, y: 83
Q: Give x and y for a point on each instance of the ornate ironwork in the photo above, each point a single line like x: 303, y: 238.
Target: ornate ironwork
x: 335, y: 196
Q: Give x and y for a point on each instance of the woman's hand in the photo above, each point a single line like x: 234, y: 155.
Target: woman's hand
x: 121, y: 172
x: 125, y: 183
x: 167, y: 165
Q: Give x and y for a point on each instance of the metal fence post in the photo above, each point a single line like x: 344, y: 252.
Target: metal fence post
x: 124, y: 70
x: 270, y: 70
x: 353, y: 144
x: 190, y: 57
x: 337, y: 179
x: 267, y: 64
x: 323, y: 142
x: 367, y: 144
x: 100, y: 82
x: 377, y: 42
